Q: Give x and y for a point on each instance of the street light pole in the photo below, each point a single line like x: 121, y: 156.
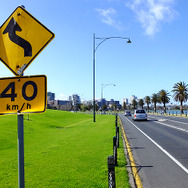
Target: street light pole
x: 94, y: 77
x: 103, y: 86
x: 95, y: 47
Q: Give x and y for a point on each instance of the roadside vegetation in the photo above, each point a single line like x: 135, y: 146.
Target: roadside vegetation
x: 179, y: 94
x: 62, y: 149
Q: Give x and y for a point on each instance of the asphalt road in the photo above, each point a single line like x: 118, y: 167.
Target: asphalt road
x: 160, y: 150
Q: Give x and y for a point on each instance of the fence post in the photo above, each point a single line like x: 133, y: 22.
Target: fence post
x: 111, y: 172
x: 117, y: 136
x: 115, y: 149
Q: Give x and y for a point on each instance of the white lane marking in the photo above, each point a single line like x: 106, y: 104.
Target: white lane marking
x: 171, y: 120
x: 179, y: 122
x: 174, y: 127
x: 171, y: 126
x: 161, y: 148
x: 162, y: 119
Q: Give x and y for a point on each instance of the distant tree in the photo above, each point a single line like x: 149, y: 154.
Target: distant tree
x: 104, y: 107
x: 148, y: 101
x: 78, y: 106
x: 164, y: 98
x: 54, y: 108
x: 96, y: 107
x: 155, y: 100
x: 124, y: 105
x: 180, y: 91
x: 177, y: 108
x: 141, y: 103
x: 114, y: 106
x: 134, y: 103
x: 84, y: 107
x: 90, y: 107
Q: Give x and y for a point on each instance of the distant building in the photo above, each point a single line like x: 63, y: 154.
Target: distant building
x: 50, y: 96
x: 61, y: 102
x: 85, y: 102
x: 74, y: 103
x: 70, y: 98
x: 63, y: 105
x: 112, y: 102
x: 76, y: 99
x: 103, y: 102
x: 100, y: 102
x: 126, y: 101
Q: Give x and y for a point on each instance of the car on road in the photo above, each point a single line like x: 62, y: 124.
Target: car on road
x: 139, y: 114
x: 127, y: 113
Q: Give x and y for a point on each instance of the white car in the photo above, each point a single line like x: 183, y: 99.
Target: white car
x: 139, y: 114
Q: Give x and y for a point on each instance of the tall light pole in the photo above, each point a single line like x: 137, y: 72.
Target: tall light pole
x: 95, y: 47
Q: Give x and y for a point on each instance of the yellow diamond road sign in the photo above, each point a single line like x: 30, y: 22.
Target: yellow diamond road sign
x: 22, y: 38
x: 25, y: 94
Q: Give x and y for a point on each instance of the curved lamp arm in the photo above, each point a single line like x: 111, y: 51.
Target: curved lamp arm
x: 103, y: 86
x: 107, y: 38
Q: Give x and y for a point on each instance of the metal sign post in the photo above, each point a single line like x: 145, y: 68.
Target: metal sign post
x: 21, y: 179
x: 21, y: 176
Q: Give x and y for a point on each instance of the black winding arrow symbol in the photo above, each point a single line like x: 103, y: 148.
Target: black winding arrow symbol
x: 11, y: 29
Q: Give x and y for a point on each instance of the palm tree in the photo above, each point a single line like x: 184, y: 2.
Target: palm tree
x: 155, y: 100
x: 124, y: 105
x: 180, y: 91
x: 164, y: 98
x: 148, y: 101
x: 141, y: 103
x: 134, y: 103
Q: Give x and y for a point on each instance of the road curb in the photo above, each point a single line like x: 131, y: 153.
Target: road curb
x: 131, y: 159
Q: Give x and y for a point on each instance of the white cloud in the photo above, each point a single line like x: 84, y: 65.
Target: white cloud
x: 150, y: 13
x: 108, y: 17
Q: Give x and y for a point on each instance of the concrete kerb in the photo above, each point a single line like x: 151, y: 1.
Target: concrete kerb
x: 134, y: 169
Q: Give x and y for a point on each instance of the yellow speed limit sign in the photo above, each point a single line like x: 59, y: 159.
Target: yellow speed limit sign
x: 25, y: 94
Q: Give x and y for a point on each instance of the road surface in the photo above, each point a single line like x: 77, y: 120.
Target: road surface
x: 160, y: 149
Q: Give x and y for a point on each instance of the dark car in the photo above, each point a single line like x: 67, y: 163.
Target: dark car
x: 127, y: 113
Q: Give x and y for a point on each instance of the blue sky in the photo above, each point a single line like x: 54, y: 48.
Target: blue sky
x: 156, y: 59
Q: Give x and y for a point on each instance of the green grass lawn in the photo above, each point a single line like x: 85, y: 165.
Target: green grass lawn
x: 62, y: 149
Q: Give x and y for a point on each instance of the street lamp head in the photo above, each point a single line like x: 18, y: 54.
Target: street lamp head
x: 129, y: 41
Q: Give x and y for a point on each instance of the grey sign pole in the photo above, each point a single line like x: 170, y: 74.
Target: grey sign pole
x: 21, y: 180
